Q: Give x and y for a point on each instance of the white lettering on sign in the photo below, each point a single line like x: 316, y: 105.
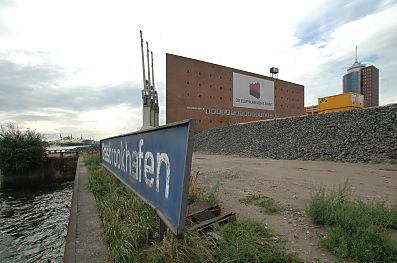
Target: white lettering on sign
x: 140, y: 156
x: 163, y: 158
x: 194, y: 108
x: 133, y: 163
x: 149, y: 169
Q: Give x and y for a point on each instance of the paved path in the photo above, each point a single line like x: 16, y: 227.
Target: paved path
x: 85, y: 240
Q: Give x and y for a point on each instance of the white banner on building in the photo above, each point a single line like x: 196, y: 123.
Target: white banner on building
x: 251, y: 92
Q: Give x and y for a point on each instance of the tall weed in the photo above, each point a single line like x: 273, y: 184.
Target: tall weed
x: 206, y: 194
x: 358, y: 230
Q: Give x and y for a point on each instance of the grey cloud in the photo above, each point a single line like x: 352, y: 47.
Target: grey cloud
x: 318, y: 26
x: 12, y: 74
x: 36, y: 87
x: 30, y: 117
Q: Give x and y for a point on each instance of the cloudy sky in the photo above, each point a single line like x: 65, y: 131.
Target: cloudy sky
x: 74, y: 66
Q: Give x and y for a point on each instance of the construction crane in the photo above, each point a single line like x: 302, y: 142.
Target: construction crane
x: 150, y: 101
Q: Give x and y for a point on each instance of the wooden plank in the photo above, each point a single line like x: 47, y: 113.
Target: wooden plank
x: 199, y: 207
x: 220, y: 219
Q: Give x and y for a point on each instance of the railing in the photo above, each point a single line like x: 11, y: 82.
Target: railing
x: 61, y: 153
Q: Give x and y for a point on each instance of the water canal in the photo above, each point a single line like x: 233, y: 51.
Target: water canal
x: 33, y: 223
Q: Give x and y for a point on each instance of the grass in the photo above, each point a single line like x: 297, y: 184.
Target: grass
x: 211, y: 194
x: 131, y: 230
x: 128, y: 221
x: 247, y: 241
x: 356, y: 230
x: 208, y: 194
x: 267, y: 203
x: 194, y: 189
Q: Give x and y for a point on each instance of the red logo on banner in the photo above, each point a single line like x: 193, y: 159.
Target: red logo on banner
x: 255, y: 90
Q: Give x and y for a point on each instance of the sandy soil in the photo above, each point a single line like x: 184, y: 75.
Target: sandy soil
x: 290, y: 183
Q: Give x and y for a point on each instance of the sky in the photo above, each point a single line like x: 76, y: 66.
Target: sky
x: 74, y: 66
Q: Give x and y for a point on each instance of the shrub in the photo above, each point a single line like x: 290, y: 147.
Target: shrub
x: 357, y: 229
x: 20, y: 150
x: 323, y: 207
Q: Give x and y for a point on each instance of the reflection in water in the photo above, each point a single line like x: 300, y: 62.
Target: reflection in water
x: 33, y: 223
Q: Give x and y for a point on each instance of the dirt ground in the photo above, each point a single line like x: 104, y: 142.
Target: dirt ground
x: 290, y: 183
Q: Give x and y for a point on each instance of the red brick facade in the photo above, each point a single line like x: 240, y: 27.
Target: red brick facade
x: 204, y: 91
x: 370, y: 86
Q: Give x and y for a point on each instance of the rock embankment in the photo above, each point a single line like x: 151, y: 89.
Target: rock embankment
x: 350, y: 136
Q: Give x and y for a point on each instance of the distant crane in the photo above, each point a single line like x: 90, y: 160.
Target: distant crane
x: 150, y: 101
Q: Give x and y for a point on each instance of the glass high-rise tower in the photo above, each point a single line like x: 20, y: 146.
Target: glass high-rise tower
x: 352, y: 80
x: 363, y: 80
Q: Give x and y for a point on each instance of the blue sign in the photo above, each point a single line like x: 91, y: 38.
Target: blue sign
x: 155, y: 165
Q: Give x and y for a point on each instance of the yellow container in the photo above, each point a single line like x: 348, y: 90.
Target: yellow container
x: 340, y: 102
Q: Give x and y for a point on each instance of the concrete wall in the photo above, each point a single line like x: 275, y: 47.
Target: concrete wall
x: 54, y: 170
x: 351, y: 136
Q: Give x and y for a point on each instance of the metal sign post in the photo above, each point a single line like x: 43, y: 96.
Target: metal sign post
x: 162, y: 229
x: 155, y: 164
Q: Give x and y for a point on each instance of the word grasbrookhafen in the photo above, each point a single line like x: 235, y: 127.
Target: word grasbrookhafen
x: 137, y: 164
x: 155, y: 164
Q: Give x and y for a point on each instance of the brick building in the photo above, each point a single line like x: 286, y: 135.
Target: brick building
x: 215, y: 95
x: 370, y: 86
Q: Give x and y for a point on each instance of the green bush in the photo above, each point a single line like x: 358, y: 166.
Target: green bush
x: 20, y: 150
x: 323, y: 207
x: 364, y: 244
x: 357, y: 229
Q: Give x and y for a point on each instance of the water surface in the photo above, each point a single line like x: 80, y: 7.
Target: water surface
x: 33, y: 223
